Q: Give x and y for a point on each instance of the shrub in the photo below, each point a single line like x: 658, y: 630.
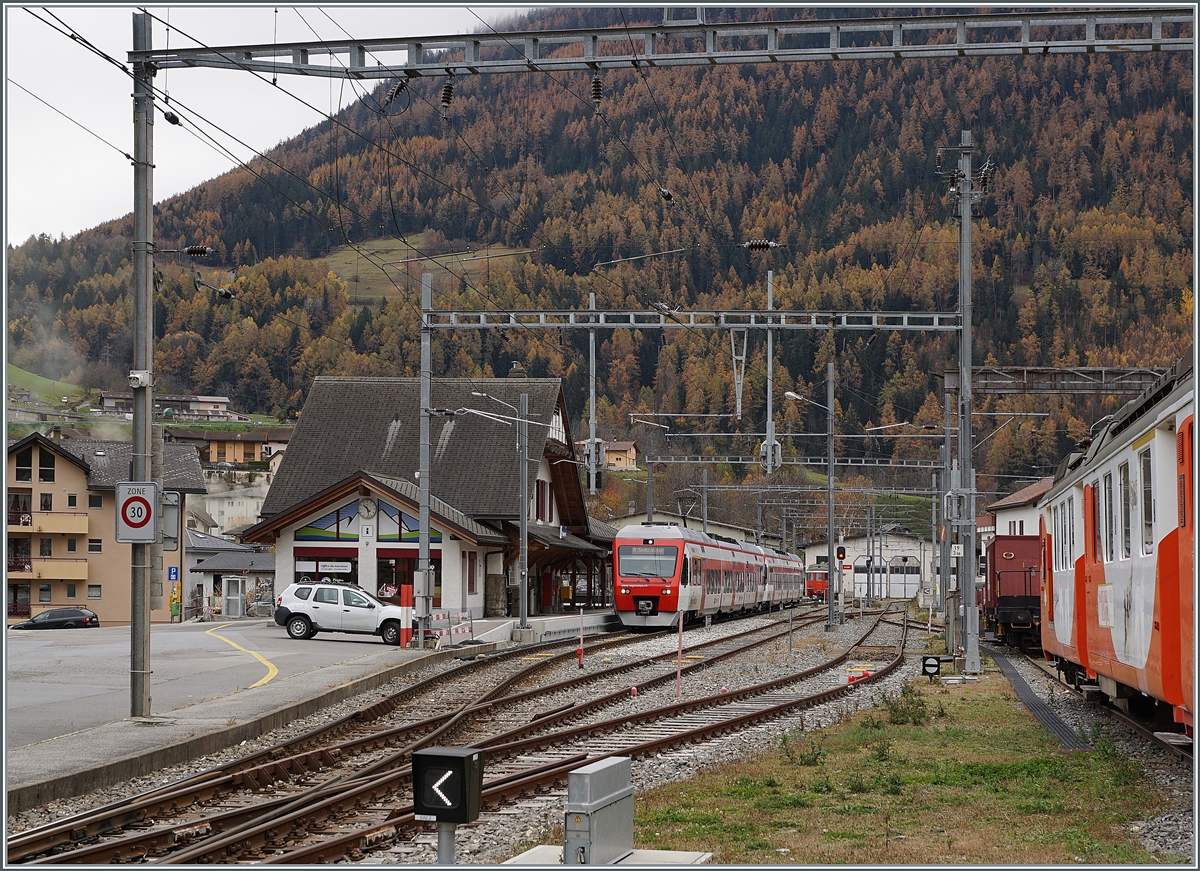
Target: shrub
x: 814, y: 755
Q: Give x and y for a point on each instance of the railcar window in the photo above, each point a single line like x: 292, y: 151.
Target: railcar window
x: 1108, y: 516
x: 1057, y: 540
x: 1070, y: 520
x: 646, y: 560
x: 1147, y: 502
x: 1096, y: 520
x: 1126, y: 511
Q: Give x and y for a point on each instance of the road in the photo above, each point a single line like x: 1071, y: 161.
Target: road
x: 62, y: 681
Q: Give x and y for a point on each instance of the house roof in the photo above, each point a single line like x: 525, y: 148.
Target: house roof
x: 259, y: 434
x: 353, y: 424
x: 109, y: 464
x: 197, y: 540
x: 201, y: 516
x: 1025, y: 496
x: 238, y: 561
x: 15, y: 445
x: 620, y: 446
x: 598, y: 530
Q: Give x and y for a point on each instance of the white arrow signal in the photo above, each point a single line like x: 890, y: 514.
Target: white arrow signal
x: 440, y: 794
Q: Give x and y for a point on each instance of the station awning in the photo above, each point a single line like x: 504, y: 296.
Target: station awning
x: 553, y: 538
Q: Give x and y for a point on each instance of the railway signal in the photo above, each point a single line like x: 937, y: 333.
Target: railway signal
x: 447, y: 785
x: 447, y: 782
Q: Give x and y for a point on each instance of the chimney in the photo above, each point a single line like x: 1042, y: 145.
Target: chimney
x: 56, y: 434
x: 517, y: 370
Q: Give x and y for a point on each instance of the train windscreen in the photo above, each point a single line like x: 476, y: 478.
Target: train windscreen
x: 646, y: 560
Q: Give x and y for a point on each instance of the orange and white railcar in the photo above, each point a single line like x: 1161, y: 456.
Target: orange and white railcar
x: 1118, y: 548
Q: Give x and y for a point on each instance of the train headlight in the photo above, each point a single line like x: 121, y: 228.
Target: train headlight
x: 624, y: 591
x: 666, y: 591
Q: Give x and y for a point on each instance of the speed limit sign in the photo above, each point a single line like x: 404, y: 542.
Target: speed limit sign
x: 137, y: 513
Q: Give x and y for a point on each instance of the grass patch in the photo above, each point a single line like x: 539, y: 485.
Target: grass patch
x: 44, y: 389
x: 936, y: 775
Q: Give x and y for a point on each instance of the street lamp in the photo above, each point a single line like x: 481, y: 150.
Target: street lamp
x: 522, y: 420
x: 796, y: 397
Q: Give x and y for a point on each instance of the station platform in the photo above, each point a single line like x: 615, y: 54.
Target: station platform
x: 213, y: 686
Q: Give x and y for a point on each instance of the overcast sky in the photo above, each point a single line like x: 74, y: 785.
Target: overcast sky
x: 59, y: 178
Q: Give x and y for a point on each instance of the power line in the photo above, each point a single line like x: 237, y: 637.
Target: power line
x: 125, y: 154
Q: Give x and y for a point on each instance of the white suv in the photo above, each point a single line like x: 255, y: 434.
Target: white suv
x: 308, y: 608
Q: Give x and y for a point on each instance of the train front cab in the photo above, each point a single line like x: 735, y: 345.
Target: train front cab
x: 647, y: 580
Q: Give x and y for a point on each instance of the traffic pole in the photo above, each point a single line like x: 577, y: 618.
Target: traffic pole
x: 581, y: 636
x: 679, y: 658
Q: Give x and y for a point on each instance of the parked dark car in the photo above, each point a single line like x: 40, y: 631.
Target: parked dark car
x: 61, y: 618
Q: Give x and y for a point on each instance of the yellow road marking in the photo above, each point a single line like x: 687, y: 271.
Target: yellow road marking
x: 271, y: 669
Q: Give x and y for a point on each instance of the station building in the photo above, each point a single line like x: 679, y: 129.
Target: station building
x: 345, y: 501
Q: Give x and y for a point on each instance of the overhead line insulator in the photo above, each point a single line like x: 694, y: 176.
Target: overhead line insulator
x: 395, y: 92
x: 759, y: 245
x: 597, y: 92
x: 447, y: 97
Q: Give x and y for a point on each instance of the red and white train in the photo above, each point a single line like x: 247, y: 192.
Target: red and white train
x: 662, y: 571
x: 1118, y: 547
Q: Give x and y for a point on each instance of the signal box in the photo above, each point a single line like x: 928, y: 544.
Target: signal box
x: 447, y: 784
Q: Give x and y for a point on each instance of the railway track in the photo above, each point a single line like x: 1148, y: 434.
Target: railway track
x: 318, y: 765
x: 520, y: 766
x: 1180, y: 751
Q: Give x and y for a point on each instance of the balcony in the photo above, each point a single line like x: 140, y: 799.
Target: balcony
x: 52, y: 569
x: 20, y: 518
x: 20, y: 566
x: 51, y: 522
x: 19, y: 609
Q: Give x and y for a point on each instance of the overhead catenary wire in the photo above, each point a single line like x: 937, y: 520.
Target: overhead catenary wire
x: 78, y: 124
x: 338, y: 196
x: 335, y: 120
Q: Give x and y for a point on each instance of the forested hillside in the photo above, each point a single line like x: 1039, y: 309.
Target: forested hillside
x: 1083, y: 255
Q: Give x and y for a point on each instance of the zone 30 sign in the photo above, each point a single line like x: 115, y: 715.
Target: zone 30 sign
x: 137, y: 509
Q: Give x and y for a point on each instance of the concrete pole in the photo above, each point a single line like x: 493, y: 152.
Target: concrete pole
x: 650, y: 485
x: 769, y: 465
x: 704, y: 499
x: 934, y: 595
x: 523, y: 454
x: 949, y: 609
x: 967, y: 578
x: 829, y: 495
x: 424, y: 603
x: 143, y: 358
x: 593, y: 460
